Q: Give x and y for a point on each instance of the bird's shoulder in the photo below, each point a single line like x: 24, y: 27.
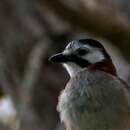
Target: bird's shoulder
x: 97, y: 81
x: 94, y: 96
x: 90, y: 77
x: 95, y: 84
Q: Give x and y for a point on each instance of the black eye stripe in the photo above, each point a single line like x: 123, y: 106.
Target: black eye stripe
x: 79, y: 61
x: 82, y: 51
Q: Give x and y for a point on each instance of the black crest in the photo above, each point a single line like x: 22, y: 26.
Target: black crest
x: 91, y: 42
x: 96, y: 44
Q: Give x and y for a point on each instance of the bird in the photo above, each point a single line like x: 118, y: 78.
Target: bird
x: 95, y: 98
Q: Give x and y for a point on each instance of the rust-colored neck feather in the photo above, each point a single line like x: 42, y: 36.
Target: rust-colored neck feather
x: 106, y: 66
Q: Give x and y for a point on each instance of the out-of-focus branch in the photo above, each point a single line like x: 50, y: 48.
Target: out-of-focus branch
x: 113, y: 27
x: 34, y: 66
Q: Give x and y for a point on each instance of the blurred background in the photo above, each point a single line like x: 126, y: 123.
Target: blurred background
x: 33, y: 30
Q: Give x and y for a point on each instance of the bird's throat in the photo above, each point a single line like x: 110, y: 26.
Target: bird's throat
x: 72, y: 68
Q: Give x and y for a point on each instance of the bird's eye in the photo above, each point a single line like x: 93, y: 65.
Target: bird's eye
x: 82, y: 51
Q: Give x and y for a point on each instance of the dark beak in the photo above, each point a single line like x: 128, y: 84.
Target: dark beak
x: 59, y: 58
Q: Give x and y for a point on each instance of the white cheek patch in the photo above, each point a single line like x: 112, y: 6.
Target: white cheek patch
x: 94, y: 56
x: 72, y: 68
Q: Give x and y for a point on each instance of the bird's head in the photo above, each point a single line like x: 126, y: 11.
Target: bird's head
x: 80, y: 54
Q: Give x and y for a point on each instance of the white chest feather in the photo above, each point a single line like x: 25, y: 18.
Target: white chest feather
x: 72, y: 68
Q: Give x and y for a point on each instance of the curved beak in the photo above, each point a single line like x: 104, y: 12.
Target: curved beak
x: 59, y: 58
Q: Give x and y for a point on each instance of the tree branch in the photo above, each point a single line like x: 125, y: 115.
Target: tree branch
x: 115, y: 28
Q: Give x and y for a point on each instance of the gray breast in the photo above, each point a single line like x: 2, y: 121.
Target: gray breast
x: 94, y: 101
